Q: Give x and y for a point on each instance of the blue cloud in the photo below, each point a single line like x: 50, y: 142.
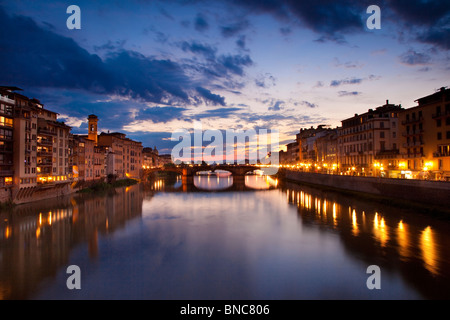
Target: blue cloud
x: 209, y: 96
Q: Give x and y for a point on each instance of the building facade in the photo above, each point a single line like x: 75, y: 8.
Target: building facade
x: 369, y: 140
x: 426, y: 137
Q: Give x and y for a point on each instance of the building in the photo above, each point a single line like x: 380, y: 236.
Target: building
x: 124, y: 156
x: 326, y: 150
x: 426, y: 137
x: 150, y: 158
x: 370, y: 140
x: 34, y: 149
x: 7, y: 103
x: 83, y: 158
x: 292, y: 153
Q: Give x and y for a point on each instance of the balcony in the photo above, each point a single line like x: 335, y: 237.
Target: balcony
x: 413, y: 120
x: 44, y: 154
x: 6, y: 99
x: 440, y: 154
x: 45, y: 142
x: 413, y: 144
x: 45, y: 131
x: 439, y: 115
x: 6, y: 173
x: 412, y: 133
x: 44, y: 164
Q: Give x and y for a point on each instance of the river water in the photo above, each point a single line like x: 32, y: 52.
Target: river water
x: 217, y: 240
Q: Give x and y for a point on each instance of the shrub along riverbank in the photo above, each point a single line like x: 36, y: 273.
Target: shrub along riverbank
x: 105, y: 186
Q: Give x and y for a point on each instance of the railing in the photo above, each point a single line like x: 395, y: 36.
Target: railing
x: 439, y: 154
x: 413, y: 120
x: 47, y: 131
x: 6, y: 173
x: 413, y: 144
x: 44, y: 154
x: 440, y: 114
x: 45, y: 142
x: 6, y: 99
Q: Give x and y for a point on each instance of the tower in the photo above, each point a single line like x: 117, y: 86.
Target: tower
x: 92, y: 133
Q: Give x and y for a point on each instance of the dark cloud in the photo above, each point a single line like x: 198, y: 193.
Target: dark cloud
x: 209, y: 96
x: 200, y: 23
x: 265, y: 81
x: 277, y: 106
x: 413, y: 58
x: 234, y: 29
x: 40, y: 58
x: 336, y: 83
x: 421, y: 12
x: 160, y: 114
x: 199, y: 48
x: 327, y: 17
x: 235, y: 63
x: 348, y: 93
x: 439, y: 36
x: 308, y: 104
x: 241, y: 42
x: 218, y: 113
x: 285, y: 31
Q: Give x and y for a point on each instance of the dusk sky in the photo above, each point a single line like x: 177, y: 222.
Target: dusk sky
x: 148, y: 68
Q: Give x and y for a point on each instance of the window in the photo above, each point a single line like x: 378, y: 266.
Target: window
x: 6, y: 122
x: 382, y: 134
x: 448, y: 135
x: 439, y: 135
x: 438, y: 123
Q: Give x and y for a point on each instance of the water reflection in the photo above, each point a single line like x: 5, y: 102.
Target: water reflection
x: 168, y: 240
x: 36, y: 239
x: 424, y: 254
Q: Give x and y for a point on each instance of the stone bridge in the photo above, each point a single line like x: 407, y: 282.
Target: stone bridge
x: 235, y: 170
x: 189, y: 171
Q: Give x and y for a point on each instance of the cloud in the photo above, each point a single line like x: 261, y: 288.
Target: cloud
x: 327, y: 17
x: 209, y: 96
x: 265, y: 80
x: 412, y: 58
x: 241, y: 42
x: 40, y: 58
x: 421, y: 12
x: 348, y: 93
x: 439, y: 36
x: 199, y: 48
x: 277, y: 106
x: 218, y: 113
x: 336, y: 83
x: 308, y: 104
x: 231, y: 30
x: 160, y: 114
x: 200, y: 23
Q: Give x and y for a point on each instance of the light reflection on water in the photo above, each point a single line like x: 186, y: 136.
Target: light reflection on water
x: 245, y: 240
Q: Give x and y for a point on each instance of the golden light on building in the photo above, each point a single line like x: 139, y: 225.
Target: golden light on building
x: 429, y: 250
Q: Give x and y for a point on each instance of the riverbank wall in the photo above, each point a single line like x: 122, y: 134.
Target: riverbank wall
x: 430, y: 193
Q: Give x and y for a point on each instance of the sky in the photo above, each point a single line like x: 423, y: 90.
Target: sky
x: 150, y: 68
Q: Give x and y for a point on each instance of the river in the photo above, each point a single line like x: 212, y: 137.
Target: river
x: 265, y: 240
